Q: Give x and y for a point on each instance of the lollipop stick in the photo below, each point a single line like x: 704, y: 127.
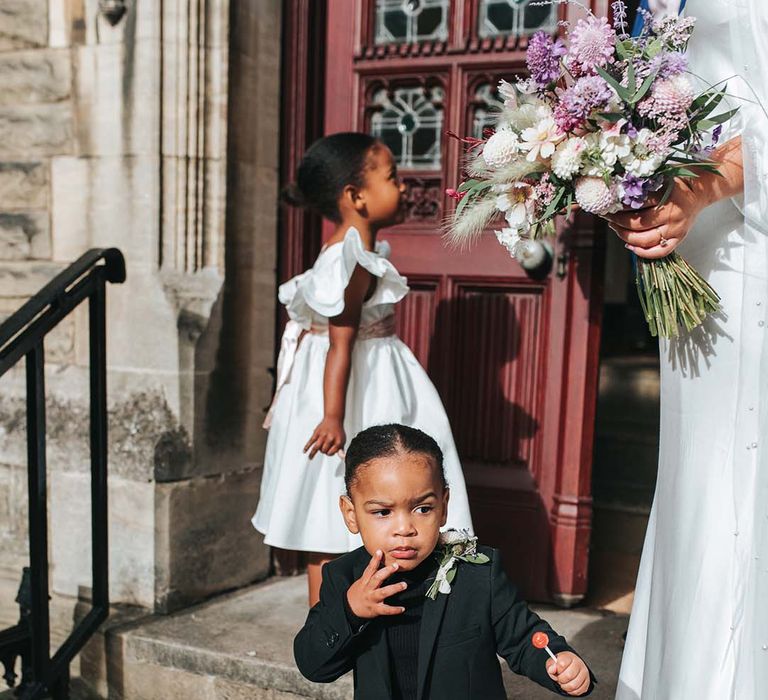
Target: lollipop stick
x: 551, y: 655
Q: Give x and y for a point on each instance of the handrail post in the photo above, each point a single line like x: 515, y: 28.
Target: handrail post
x: 38, y: 511
x: 99, y: 424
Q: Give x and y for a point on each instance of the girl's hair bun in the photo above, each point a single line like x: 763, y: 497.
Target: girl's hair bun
x: 293, y: 195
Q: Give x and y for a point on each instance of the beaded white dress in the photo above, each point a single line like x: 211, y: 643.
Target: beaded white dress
x: 699, y: 624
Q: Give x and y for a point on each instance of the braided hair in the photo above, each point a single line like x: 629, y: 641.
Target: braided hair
x: 387, y: 441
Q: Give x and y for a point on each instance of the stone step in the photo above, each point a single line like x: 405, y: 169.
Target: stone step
x: 240, y: 646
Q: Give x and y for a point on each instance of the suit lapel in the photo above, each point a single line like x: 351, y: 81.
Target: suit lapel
x: 431, y: 617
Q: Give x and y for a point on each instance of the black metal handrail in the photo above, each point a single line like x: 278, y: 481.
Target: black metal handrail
x: 22, y: 336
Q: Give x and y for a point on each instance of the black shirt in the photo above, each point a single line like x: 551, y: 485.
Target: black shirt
x: 403, y: 630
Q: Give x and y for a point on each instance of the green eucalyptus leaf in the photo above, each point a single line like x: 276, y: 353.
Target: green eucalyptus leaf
x: 621, y: 91
x: 612, y: 117
x: 643, y: 89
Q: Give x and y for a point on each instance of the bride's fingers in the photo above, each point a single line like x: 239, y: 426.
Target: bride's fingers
x: 646, y: 239
x: 656, y: 252
x: 639, y: 219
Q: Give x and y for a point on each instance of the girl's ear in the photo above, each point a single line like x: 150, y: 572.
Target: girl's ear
x: 446, y: 497
x: 348, y: 512
x: 354, y: 198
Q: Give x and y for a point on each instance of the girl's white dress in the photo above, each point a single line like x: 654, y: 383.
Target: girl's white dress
x: 699, y: 624
x: 299, y: 504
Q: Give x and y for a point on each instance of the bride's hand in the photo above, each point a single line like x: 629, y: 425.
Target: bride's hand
x: 646, y: 230
x: 655, y: 231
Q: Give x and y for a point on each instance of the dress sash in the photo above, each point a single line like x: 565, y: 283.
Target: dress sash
x: 289, y: 345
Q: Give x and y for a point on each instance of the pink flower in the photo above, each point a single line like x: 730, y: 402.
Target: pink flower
x: 592, y: 45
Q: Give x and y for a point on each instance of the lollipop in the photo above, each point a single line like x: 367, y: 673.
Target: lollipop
x: 541, y: 641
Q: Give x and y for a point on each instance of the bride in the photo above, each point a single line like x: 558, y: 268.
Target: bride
x: 699, y: 624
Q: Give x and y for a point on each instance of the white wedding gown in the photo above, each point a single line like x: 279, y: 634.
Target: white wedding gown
x: 699, y: 624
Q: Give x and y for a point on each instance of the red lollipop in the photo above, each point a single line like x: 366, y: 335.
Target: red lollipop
x: 541, y: 641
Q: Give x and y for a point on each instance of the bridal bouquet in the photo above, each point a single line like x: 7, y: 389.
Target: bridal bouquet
x: 605, y: 121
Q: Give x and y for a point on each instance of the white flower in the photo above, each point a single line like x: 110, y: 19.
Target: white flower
x: 516, y: 202
x: 595, y: 197
x: 540, y: 140
x: 528, y: 115
x: 567, y: 158
x: 641, y: 161
x: 508, y: 93
x: 614, y: 146
x: 510, y: 238
x: 453, y: 536
x: 501, y: 148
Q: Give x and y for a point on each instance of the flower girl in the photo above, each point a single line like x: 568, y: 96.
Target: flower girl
x: 341, y: 367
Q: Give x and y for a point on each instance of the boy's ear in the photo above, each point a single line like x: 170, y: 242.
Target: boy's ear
x: 348, y: 511
x: 446, y: 497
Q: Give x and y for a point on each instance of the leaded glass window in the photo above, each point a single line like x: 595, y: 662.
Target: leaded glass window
x: 516, y: 17
x: 410, y: 120
x: 410, y: 21
x: 487, y: 106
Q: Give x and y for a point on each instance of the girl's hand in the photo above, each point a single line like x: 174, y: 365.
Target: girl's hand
x: 655, y: 231
x: 570, y: 673
x: 366, y: 597
x: 329, y: 437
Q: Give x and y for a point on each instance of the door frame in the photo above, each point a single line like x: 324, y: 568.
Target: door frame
x: 568, y: 419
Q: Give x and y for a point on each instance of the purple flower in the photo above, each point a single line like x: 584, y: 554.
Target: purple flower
x: 576, y: 103
x: 592, y: 45
x: 620, y: 18
x: 543, y: 58
x: 634, y: 190
x: 630, y: 130
x: 667, y: 64
x: 716, y: 132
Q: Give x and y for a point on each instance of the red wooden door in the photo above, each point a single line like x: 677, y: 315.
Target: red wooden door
x: 514, y: 359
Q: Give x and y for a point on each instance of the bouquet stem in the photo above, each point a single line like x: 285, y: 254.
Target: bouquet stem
x: 673, y: 294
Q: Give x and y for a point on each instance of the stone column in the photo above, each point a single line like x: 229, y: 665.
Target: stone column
x: 123, y: 136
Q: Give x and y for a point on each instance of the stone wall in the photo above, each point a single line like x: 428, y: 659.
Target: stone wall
x: 144, y: 137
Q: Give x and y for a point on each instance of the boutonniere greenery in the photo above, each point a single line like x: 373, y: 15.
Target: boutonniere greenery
x: 453, y: 546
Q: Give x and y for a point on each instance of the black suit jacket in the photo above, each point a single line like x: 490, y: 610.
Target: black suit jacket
x: 461, y: 634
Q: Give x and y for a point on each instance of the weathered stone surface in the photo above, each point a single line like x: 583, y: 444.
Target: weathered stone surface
x: 207, y: 547
x: 117, y: 89
x: 131, y: 537
x: 25, y: 235
x: 36, y: 130
x: 23, y: 23
x: 34, y: 76
x: 143, y: 434
x: 13, y: 513
x: 22, y: 279
x: 23, y: 185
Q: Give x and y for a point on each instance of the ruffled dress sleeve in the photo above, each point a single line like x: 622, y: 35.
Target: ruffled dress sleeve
x: 320, y: 291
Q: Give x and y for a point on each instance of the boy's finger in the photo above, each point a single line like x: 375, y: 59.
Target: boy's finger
x: 373, y: 566
x: 552, y: 669
x: 387, y: 591
x: 383, y: 609
x: 568, y: 673
x: 382, y: 574
x: 572, y: 685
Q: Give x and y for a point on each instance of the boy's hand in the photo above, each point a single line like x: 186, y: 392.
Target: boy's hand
x: 570, y: 673
x: 366, y: 597
x: 328, y: 438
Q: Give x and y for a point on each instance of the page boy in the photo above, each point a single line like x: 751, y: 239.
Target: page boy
x: 414, y: 617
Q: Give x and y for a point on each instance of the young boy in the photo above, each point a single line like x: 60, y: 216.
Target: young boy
x: 374, y: 614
